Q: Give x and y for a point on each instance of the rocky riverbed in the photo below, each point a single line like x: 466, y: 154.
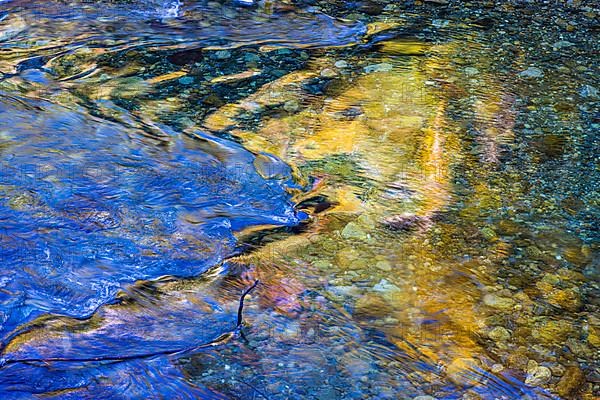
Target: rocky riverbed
x: 447, y: 154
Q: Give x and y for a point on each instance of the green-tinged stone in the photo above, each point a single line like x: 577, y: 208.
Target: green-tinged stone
x: 384, y: 266
x: 501, y: 303
x: 353, y: 231
x: 22, y: 201
x: 499, y: 334
x: 382, y: 67
x: 489, y: 233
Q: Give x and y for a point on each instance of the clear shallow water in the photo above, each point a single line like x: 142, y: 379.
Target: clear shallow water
x: 158, y: 160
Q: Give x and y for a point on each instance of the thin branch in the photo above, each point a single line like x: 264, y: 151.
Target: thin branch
x: 255, y: 389
x: 240, y: 319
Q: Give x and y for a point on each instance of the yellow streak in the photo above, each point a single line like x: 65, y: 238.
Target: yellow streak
x: 167, y: 77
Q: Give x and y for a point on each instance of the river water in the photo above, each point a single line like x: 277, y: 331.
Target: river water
x: 410, y: 195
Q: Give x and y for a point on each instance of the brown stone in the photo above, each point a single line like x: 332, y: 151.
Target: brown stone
x: 552, y: 331
x: 569, y: 299
x: 517, y: 361
x: 594, y: 336
x: 577, y: 255
x: 571, y: 382
x: 372, y: 305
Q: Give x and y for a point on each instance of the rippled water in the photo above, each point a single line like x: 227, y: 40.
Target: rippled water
x: 418, y: 212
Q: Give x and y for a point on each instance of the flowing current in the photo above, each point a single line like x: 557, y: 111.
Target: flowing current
x: 295, y: 199
x: 93, y: 206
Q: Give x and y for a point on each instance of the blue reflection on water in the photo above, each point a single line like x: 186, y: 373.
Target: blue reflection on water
x: 88, y: 208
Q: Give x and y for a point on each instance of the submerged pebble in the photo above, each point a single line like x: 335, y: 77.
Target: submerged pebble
x: 588, y: 91
x: 532, y: 72
x: 341, y: 64
x: 537, y: 374
x: 382, y: 67
x: 328, y: 73
x: 499, y: 334
x: 494, y: 301
x: 571, y: 382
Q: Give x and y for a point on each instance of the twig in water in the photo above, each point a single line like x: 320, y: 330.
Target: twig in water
x: 255, y: 389
x: 240, y: 319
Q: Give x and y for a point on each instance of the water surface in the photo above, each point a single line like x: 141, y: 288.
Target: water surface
x: 416, y: 204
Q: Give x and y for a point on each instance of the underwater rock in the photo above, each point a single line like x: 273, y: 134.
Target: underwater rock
x: 499, y: 334
x: 383, y: 265
x: 328, y: 73
x: 186, y: 80
x: 501, y: 303
x: 489, y: 234
x: 594, y: 336
x: 464, y: 371
x: 291, y: 106
x: 372, y: 305
x: 532, y: 72
x: 222, y: 54
x: 341, y: 64
x: 471, y: 71
x: 551, y: 331
x: 536, y: 374
x: 388, y: 290
x: 579, y: 256
x: 382, y: 67
x: 517, y: 360
x: 569, y: 299
x: 497, y: 368
x: 579, y: 348
x: 353, y: 231
x: 350, y: 258
x: 588, y: 91
x: 404, y: 222
x: 571, y: 382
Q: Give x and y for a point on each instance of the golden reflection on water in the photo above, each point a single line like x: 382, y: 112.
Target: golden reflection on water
x: 404, y: 146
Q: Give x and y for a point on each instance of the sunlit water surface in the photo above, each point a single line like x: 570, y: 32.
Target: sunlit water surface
x: 157, y: 158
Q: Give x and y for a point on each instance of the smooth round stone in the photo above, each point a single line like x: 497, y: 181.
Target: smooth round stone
x: 328, y: 73
x: 186, y: 80
x: 532, y: 72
